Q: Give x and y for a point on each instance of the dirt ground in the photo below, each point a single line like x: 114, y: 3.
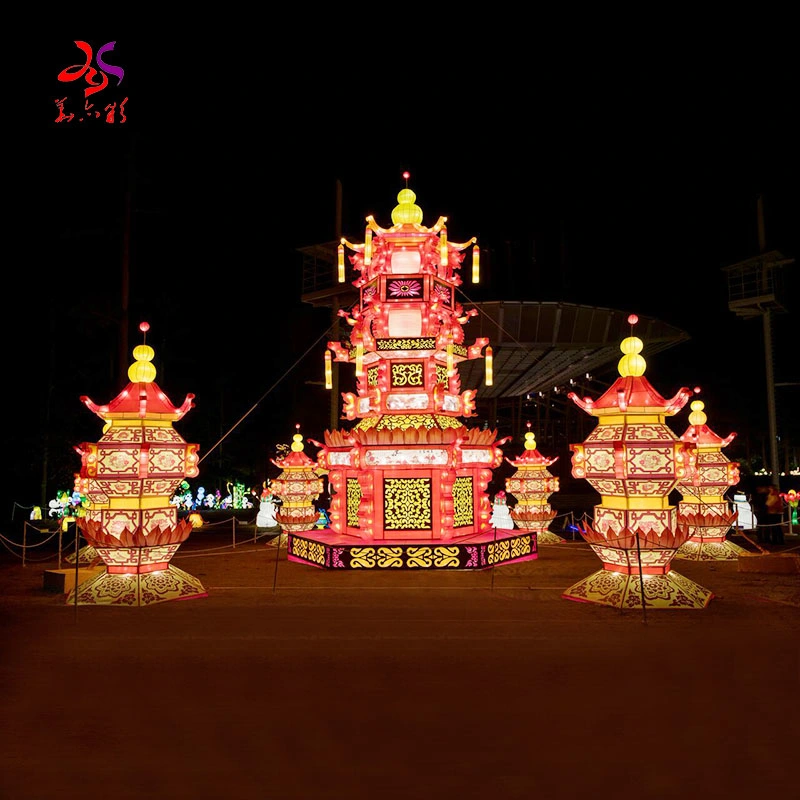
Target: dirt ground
x: 292, y: 682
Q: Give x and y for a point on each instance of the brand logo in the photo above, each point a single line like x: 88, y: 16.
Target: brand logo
x: 96, y: 80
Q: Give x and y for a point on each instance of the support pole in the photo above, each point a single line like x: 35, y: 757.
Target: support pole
x: 771, y: 414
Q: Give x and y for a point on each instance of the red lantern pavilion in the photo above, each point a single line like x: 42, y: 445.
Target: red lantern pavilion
x: 703, y: 507
x: 409, y: 479
x: 129, y: 476
x: 634, y: 461
x: 531, y: 485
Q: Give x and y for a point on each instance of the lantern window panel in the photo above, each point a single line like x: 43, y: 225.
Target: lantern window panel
x: 404, y: 322
x: 406, y: 262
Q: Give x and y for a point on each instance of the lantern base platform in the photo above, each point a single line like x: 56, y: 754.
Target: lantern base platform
x: 325, y: 549
x: 62, y: 580
x: 618, y: 590
x: 709, y: 551
x: 137, y: 589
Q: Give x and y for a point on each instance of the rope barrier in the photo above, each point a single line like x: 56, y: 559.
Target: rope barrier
x: 568, y: 517
x: 210, y: 551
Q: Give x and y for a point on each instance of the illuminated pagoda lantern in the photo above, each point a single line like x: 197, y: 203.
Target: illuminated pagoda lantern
x: 408, y: 480
x: 532, y: 485
x: 704, y: 508
x: 634, y: 461
x: 297, y: 487
x: 129, y: 477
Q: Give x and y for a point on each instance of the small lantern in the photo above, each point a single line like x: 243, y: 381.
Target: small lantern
x: 532, y: 484
x: 703, y: 507
x: 297, y: 486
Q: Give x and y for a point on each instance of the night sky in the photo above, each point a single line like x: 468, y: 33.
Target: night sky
x: 593, y: 185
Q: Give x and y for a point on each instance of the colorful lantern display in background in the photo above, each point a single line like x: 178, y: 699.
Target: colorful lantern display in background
x: 703, y: 508
x: 128, y: 478
x: 745, y: 519
x: 297, y: 487
x: 267, y: 509
x: 532, y: 484
x: 634, y: 461
x: 792, y: 499
x: 409, y: 480
x: 501, y: 513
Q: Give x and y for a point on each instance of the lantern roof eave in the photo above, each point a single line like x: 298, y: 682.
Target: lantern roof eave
x: 143, y: 400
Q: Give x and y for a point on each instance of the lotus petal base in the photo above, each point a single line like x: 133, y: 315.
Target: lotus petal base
x: 137, y: 589
x: 86, y: 555
x: 548, y: 537
x: 710, y: 551
x: 618, y: 590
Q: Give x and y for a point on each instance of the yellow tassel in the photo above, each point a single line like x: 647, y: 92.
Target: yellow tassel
x: 476, y: 264
x: 328, y: 372
x: 489, y: 367
x: 341, y: 263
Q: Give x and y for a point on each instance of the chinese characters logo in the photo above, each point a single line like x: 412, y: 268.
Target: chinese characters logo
x: 96, y: 81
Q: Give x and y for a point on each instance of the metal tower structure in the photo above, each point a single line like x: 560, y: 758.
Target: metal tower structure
x: 755, y: 288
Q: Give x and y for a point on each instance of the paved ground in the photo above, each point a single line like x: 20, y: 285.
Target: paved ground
x: 291, y: 682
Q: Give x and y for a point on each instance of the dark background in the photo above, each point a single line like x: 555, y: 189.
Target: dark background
x: 621, y: 178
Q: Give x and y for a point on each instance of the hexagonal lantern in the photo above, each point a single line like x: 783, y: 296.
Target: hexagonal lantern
x: 703, y: 507
x: 129, y: 476
x: 634, y: 461
x: 531, y: 485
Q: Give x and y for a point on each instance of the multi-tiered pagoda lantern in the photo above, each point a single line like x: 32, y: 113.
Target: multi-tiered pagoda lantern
x: 703, y: 507
x: 634, y: 461
x: 297, y: 487
x: 409, y: 479
x: 531, y: 485
x: 128, y: 477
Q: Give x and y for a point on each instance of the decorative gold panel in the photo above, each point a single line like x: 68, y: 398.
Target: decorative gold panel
x: 463, y: 502
x: 407, y: 374
x: 445, y: 557
x: 353, y: 502
x: 407, y: 504
x: 404, y: 421
x: 390, y: 557
x: 426, y: 343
